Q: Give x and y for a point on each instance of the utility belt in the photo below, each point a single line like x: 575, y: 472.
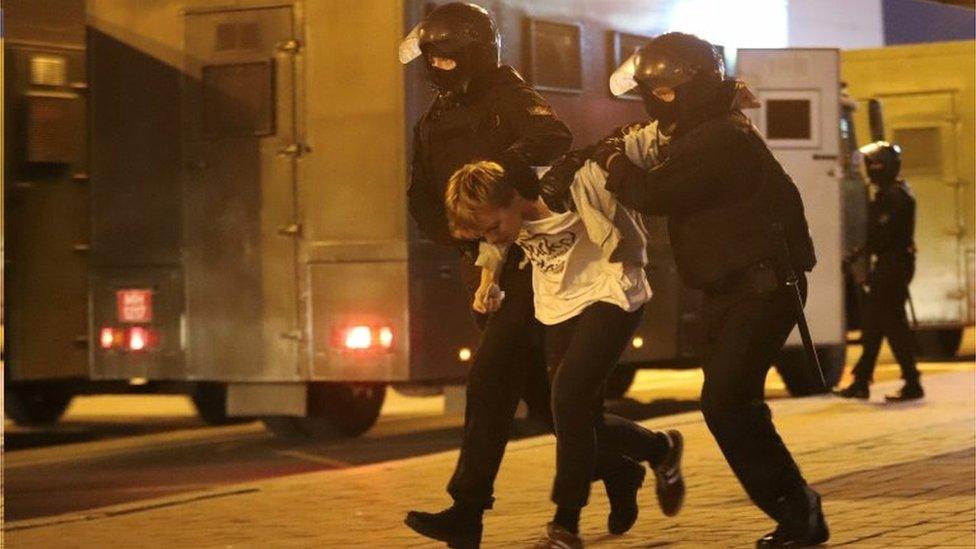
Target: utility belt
x: 760, y: 278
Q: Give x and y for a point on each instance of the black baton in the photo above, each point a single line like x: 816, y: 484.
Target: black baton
x: 793, y: 282
x: 801, y: 324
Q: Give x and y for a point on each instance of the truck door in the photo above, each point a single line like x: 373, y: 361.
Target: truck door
x: 46, y: 209
x: 239, y: 215
x: 924, y: 124
x: 800, y: 119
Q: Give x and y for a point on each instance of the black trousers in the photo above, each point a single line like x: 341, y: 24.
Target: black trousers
x: 509, y: 365
x: 581, y: 353
x: 883, y: 316
x: 746, y: 325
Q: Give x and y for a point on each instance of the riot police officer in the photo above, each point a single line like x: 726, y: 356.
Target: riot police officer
x: 738, y: 232
x: 486, y: 111
x: 889, y: 255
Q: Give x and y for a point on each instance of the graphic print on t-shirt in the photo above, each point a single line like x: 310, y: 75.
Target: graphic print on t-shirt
x: 548, y: 252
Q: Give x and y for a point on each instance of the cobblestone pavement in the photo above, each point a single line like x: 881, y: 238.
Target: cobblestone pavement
x: 890, y: 476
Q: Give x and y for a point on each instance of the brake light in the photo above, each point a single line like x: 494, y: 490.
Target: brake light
x: 386, y: 337
x: 107, y: 338
x: 138, y: 338
x: 364, y: 338
x: 359, y: 337
x: 135, y: 338
x: 112, y: 338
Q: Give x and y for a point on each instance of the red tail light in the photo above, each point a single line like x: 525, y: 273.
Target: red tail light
x: 358, y: 337
x: 386, y: 337
x: 107, y: 338
x: 112, y: 338
x: 138, y: 338
x: 364, y: 338
x: 135, y: 338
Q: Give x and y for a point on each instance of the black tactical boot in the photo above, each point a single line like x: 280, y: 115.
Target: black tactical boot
x: 857, y: 389
x: 458, y: 527
x: 622, y: 493
x: 803, y: 522
x: 670, y: 484
x: 912, y: 390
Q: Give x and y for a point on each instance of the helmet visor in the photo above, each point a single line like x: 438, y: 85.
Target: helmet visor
x: 410, y: 46
x: 622, y: 80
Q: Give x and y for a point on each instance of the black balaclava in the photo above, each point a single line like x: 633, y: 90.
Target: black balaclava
x: 464, y: 33
x: 882, y: 161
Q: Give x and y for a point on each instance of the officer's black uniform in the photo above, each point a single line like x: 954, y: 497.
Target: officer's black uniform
x: 499, y: 116
x: 891, y: 224
x: 730, y: 207
x: 890, y: 256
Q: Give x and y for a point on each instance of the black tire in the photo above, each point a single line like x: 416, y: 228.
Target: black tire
x: 210, y: 400
x: 35, y: 405
x: 938, y: 344
x: 347, y: 409
x: 620, y: 381
x: 799, y: 377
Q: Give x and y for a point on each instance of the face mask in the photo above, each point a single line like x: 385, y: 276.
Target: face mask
x: 881, y: 177
x: 663, y: 111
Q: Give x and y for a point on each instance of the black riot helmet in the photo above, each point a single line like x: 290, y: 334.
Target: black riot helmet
x: 684, y: 63
x: 882, y: 161
x: 463, y: 33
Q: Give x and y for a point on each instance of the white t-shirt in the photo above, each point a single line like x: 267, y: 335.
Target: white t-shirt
x: 570, y: 272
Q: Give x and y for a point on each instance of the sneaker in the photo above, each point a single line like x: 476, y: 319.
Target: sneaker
x: 911, y: 391
x: 808, y: 527
x: 854, y: 390
x: 458, y: 529
x: 622, y: 493
x: 670, y: 484
x: 557, y: 537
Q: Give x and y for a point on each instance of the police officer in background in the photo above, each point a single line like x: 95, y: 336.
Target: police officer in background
x: 889, y: 254
x: 486, y: 111
x: 738, y: 232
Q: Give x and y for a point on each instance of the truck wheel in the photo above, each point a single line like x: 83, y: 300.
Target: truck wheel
x: 210, y: 400
x: 938, y: 344
x: 29, y: 405
x: 620, y: 380
x: 348, y: 409
x: 800, y: 379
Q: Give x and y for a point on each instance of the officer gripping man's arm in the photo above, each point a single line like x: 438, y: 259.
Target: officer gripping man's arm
x: 721, y: 189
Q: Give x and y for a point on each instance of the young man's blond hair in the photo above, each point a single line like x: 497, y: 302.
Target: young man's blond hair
x: 473, y: 187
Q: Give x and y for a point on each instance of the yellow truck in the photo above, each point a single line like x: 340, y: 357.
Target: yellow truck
x: 928, y: 97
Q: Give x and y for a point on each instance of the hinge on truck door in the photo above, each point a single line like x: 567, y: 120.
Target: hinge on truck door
x: 293, y: 150
x: 289, y: 46
x: 296, y: 335
x: 295, y: 229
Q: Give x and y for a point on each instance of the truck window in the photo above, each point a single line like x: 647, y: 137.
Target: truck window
x: 788, y: 119
x: 921, y: 150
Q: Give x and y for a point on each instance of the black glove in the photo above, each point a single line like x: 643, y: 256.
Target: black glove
x: 607, y: 150
x: 555, y: 183
x: 520, y: 175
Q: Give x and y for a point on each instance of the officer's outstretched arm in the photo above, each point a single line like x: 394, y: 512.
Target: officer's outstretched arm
x: 555, y: 184
x: 693, y: 172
